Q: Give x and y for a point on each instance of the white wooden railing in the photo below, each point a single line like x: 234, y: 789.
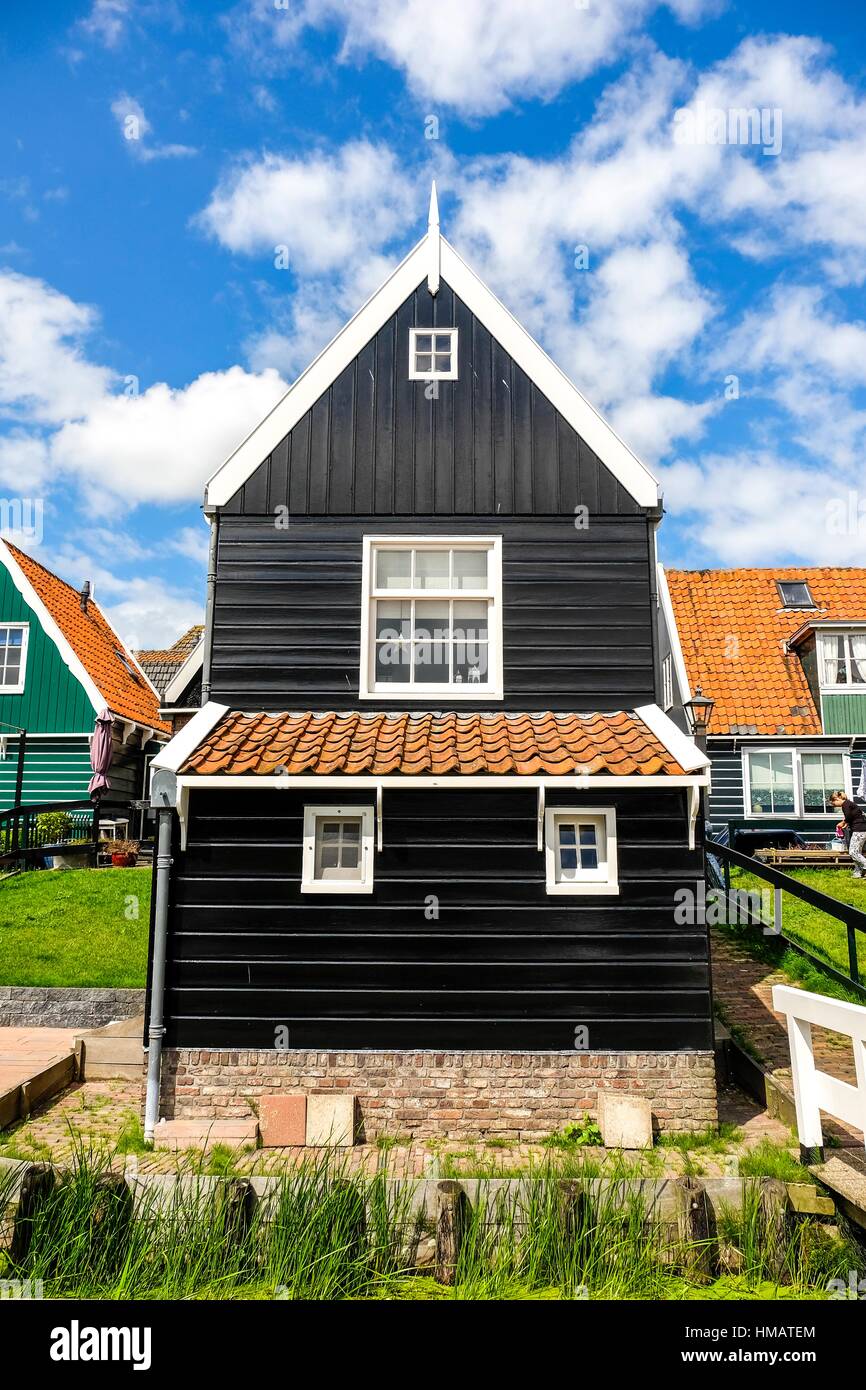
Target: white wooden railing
x: 815, y: 1090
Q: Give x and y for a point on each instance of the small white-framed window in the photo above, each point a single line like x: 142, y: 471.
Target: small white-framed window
x: 580, y: 849
x: 783, y: 782
x: 431, y: 619
x: 667, y: 682
x: 842, y: 658
x: 432, y: 354
x: 338, y: 849
x: 13, y: 657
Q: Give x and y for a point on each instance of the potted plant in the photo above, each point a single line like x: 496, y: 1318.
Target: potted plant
x: 123, y: 853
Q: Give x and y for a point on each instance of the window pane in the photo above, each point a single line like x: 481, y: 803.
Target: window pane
x: 351, y: 831
x: 587, y: 835
x: 431, y: 569
x: 471, y: 665
x: 443, y: 361
x: 568, y: 860
x: 566, y: 835
x: 330, y: 831
x: 329, y: 856
x: 14, y: 637
x: 470, y: 569
x: 857, y: 655
x: 392, y: 662
x: 423, y: 342
x: 393, y: 620
x: 589, y: 858
x: 470, y: 620
x: 423, y: 362
x: 432, y: 620
x: 431, y: 652
x: 394, y: 569
x: 443, y: 342
x: 350, y: 858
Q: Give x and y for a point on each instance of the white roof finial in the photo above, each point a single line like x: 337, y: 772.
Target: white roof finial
x: 433, y: 242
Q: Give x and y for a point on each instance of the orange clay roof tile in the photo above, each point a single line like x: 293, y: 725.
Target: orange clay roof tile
x: 414, y: 744
x: 95, y: 643
x: 733, y: 631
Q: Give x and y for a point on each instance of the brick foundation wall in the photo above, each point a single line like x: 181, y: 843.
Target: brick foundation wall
x: 516, y: 1095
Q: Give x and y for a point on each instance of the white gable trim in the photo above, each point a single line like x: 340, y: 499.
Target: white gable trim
x: 678, y: 744
x: 51, y: 629
x: 673, y: 635
x: 187, y: 739
x: 189, y: 667
x: 416, y: 269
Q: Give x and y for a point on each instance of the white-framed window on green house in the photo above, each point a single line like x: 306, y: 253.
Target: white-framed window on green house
x: 337, y: 850
x: 431, y: 621
x: 13, y: 657
x: 842, y: 660
x: 580, y: 850
x: 788, y: 782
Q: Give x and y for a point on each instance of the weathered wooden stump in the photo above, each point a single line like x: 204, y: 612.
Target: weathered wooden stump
x: 777, y: 1228
x: 695, y: 1229
x: 452, y: 1212
x: 37, y: 1183
x: 236, y: 1209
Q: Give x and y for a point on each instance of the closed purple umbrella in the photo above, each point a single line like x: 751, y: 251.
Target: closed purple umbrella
x: 101, y: 750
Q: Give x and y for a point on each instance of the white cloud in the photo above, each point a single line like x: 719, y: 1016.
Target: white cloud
x: 159, y: 446
x: 152, y: 614
x: 45, y: 377
x: 754, y: 508
x: 469, y: 55
x: 107, y: 21
x: 795, y: 332
x: 135, y: 128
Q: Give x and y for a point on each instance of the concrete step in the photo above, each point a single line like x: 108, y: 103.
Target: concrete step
x: 206, y: 1134
x: 115, y: 1050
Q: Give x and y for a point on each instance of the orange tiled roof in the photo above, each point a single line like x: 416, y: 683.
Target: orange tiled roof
x: 733, y: 629
x: 380, y: 744
x: 95, y: 644
x: 179, y: 651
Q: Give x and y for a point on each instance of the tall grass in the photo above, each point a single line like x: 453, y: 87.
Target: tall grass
x: 323, y: 1233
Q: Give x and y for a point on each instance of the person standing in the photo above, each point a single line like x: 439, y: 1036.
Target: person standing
x: 855, y: 823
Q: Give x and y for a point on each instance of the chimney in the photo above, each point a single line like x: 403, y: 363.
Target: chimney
x: 84, y: 595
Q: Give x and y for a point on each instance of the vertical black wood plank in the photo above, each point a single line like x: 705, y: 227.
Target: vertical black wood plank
x: 383, y: 449
x: 482, y: 358
x: 299, y: 467
x: 405, y: 392
x: 503, y: 438
x: 278, y: 492
x: 365, y: 428
x: 545, y: 466
x: 569, y: 473
x: 464, y: 393
x: 342, y: 440
x: 320, y: 439
x: 588, y: 478
x: 521, y: 393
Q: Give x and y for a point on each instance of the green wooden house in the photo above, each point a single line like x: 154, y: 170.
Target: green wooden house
x: 61, y: 664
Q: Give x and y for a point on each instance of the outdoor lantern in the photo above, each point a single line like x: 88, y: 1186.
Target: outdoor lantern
x: 699, y: 711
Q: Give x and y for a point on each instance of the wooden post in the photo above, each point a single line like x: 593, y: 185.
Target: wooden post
x: 236, y: 1208
x: 853, y: 967
x: 776, y: 1224
x: 450, y: 1228
x: 37, y: 1182
x: 695, y: 1229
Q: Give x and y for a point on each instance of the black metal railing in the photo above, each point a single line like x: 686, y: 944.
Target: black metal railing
x: 720, y: 858
x: 30, y: 829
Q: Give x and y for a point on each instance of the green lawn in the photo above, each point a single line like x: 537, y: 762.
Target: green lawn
x: 824, y: 936
x: 75, y: 927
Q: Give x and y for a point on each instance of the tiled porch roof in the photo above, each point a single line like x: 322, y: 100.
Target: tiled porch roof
x: 618, y: 744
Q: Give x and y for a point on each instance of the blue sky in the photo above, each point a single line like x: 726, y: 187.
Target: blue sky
x: 156, y: 153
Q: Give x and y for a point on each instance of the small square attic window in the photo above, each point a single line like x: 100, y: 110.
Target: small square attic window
x: 432, y: 354
x: 794, y: 593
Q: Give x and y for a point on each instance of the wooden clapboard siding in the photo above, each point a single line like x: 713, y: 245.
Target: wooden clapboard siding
x: 577, y: 611
x: 503, y: 964
x: 53, y: 700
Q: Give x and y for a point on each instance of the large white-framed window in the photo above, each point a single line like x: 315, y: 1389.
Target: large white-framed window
x: 842, y: 660
x: 432, y: 354
x: 338, y: 849
x: 13, y: 657
x: 431, y: 618
x: 580, y: 849
x: 793, y: 782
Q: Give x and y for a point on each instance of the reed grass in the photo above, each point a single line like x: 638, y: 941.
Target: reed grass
x: 324, y: 1233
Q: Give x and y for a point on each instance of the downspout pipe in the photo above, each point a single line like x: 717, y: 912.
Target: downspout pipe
x: 213, y: 521
x: 163, y: 797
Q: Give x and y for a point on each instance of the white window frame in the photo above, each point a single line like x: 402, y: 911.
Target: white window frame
x: 604, y: 880
x: 22, y: 675
x: 799, y: 812
x: 492, y: 689
x: 309, y: 882
x: 668, y: 682
x: 848, y: 687
x: 433, y: 375
x: 795, y: 607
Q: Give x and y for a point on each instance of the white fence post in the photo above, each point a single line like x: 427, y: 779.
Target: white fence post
x: 815, y: 1090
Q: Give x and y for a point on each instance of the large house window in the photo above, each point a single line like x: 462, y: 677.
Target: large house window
x: 13, y: 657
x: 580, y: 850
x: 432, y: 618
x: 786, y: 782
x: 432, y: 354
x: 843, y: 659
x: 338, y: 849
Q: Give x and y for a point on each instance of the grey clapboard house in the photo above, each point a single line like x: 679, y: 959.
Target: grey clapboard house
x: 431, y: 811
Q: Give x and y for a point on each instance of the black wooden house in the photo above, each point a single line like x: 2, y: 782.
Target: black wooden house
x: 431, y: 831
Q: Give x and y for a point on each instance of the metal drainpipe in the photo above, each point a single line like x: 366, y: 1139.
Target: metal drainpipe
x: 163, y: 796
x: 214, y: 524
